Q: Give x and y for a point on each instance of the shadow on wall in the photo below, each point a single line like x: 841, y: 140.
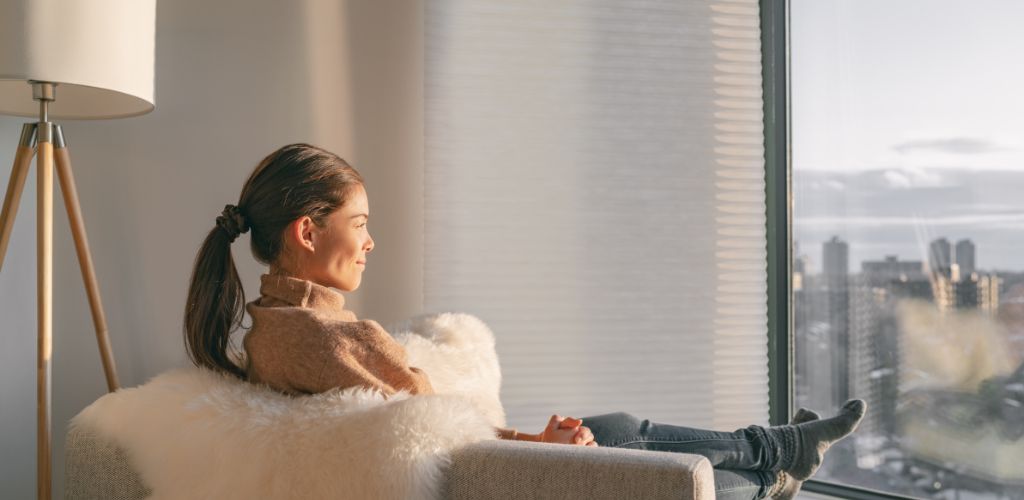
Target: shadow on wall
x: 233, y: 82
x: 382, y: 111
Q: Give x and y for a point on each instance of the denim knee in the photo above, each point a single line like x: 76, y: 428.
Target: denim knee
x: 618, y: 419
x: 613, y: 428
x: 619, y: 416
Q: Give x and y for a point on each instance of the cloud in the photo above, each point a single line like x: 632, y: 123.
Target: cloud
x: 897, y: 180
x: 824, y: 185
x: 910, y: 178
x: 955, y: 145
x: 1015, y: 220
x: 835, y: 185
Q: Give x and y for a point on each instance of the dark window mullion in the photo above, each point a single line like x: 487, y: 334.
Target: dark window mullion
x: 776, y: 146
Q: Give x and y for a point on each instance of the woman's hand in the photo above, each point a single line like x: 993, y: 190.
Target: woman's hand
x: 567, y: 430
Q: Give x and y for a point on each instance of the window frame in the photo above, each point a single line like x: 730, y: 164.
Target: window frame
x: 775, y: 46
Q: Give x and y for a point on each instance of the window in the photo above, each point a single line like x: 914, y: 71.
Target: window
x: 907, y: 271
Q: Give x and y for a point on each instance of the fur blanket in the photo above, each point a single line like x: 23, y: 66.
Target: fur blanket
x: 193, y: 433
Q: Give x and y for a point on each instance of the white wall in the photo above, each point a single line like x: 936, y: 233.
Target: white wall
x: 234, y: 80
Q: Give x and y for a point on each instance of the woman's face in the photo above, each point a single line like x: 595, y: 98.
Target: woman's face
x: 335, y: 255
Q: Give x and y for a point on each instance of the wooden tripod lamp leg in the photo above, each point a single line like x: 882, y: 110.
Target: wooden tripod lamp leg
x: 44, y: 246
x: 22, y: 160
x: 67, y: 186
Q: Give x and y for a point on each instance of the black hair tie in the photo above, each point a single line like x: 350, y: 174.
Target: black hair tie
x: 232, y: 222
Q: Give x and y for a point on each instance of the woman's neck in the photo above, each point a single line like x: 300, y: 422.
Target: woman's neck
x: 277, y: 270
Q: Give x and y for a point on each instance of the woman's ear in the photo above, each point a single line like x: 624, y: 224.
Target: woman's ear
x: 302, y: 233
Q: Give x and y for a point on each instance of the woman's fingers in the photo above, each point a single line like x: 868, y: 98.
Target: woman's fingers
x: 548, y: 435
x: 567, y: 430
x: 554, y: 422
x: 569, y: 423
x: 583, y: 436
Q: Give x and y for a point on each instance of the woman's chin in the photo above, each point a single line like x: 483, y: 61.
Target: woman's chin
x: 350, y: 285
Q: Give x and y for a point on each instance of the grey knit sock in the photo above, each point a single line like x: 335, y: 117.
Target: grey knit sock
x: 803, y: 446
x: 804, y: 415
x: 786, y: 487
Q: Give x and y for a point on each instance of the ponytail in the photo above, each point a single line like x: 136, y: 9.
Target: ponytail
x: 215, y: 297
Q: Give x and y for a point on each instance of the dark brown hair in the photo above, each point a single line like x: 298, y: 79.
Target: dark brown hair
x: 296, y: 180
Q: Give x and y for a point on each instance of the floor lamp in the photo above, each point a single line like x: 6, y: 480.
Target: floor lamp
x: 70, y: 60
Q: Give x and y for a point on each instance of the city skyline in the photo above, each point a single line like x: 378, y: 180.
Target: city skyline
x: 881, y: 213
x: 960, y: 254
x: 902, y: 335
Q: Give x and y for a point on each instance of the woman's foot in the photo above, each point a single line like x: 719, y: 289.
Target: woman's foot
x: 804, y: 415
x: 812, y: 439
x: 786, y: 487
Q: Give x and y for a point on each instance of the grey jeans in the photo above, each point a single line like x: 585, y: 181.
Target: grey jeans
x: 745, y: 461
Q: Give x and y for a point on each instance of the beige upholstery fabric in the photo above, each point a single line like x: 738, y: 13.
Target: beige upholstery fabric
x: 97, y: 469
x: 521, y: 470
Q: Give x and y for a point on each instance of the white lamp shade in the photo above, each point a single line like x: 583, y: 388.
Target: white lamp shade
x: 99, y: 53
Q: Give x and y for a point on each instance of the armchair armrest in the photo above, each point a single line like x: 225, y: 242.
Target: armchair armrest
x: 97, y: 468
x: 526, y: 470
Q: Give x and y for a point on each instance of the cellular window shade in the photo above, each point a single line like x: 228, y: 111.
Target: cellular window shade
x: 594, y: 191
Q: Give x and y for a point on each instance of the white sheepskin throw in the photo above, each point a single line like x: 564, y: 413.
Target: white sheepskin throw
x: 193, y: 433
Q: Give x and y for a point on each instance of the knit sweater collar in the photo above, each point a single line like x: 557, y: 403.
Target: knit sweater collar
x: 300, y: 293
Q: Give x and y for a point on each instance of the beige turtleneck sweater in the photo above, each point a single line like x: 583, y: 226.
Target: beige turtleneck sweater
x: 303, y: 341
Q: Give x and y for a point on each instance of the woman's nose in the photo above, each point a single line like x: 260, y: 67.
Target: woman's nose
x: 369, y: 243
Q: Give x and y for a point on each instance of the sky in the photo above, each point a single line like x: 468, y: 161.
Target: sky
x: 907, y: 124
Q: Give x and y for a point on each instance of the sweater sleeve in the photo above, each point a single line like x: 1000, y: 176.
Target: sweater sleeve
x: 363, y: 353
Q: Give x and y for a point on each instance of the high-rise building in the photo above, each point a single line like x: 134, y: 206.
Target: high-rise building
x: 965, y: 292
x: 939, y: 253
x: 814, y: 378
x: 836, y: 259
x: 874, y: 364
x: 943, y: 291
x: 882, y: 272
x: 964, y: 255
x: 875, y: 346
x: 978, y: 292
x: 835, y: 271
x: 988, y: 293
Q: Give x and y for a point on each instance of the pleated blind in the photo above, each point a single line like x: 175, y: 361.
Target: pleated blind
x: 594, y: 191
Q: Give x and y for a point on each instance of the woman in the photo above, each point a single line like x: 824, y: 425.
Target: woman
x: 308, y: 212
